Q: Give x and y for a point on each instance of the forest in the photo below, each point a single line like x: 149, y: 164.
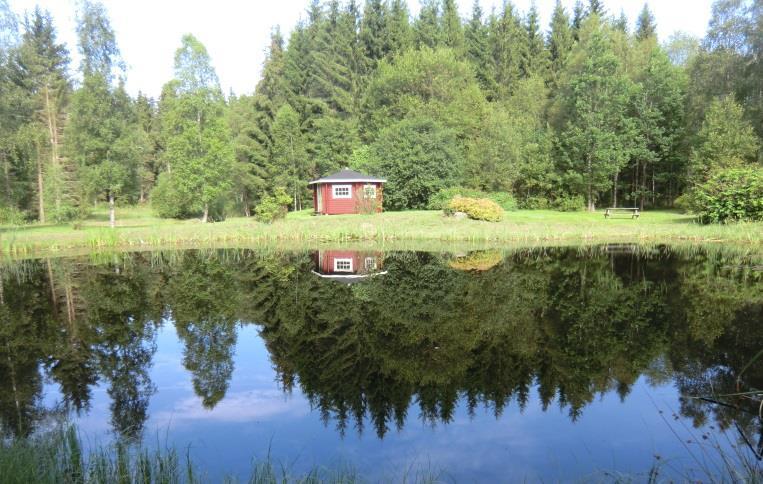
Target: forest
x: 593, y: 109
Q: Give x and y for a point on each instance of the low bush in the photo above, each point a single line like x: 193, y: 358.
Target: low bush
x: 728, y: 195
x: 441, y: 199
x: 476, y: 208
x: 273, y: 207
x: 11, y: 216
x: 568, y: 203
x: 505, y: 199
x: 534, y: 203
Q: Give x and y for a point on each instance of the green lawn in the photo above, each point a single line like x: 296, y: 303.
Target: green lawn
x: 139, y: 228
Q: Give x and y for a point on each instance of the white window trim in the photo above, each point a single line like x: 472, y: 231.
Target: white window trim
x: 336, y: 265
x: 334, y: 188
x: 372, y: 189
x: 370, y: 263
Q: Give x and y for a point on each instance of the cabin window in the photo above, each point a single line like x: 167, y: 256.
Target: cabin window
x: 370, y: 263
x: 342, y: 191
x: 342, y: 265
x: 369, y: 191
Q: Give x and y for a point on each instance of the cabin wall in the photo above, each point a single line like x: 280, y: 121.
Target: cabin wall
x: 362, y: 262
x: 337, y: 206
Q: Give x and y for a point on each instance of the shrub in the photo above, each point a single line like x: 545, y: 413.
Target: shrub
x: 440, y: 200
x: 11, y: 216
x: 169, y: 202
x: 480, y: 260
x: 476, y: 208
x: 729, y: 195
x: 534, y: 203
x: 568, y: 203
x: 273, y: 207
x: 505, y: 199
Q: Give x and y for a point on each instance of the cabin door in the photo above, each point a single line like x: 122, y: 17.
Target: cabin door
x: 319, y: 197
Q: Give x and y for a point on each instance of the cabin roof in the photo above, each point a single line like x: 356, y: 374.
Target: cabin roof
x: 347, y: 176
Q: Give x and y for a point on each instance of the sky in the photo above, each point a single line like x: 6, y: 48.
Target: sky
x: 236, y: 33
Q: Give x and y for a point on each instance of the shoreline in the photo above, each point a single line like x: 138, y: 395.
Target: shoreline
x: 137, y: 229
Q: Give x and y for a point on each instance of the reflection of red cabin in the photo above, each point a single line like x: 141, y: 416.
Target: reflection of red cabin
x: 347, y: 191
x: 347, y: 265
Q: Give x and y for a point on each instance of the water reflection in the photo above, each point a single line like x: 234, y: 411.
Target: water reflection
x: 484, y: 327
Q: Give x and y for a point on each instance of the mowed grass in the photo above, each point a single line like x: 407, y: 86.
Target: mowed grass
x: 138, y: 227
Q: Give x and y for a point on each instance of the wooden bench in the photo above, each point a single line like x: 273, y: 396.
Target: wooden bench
x: 633, y: 212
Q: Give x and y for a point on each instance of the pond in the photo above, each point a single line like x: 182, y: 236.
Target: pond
x: 536, y: 364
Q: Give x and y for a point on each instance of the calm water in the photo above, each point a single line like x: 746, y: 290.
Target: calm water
x: 544, y: 364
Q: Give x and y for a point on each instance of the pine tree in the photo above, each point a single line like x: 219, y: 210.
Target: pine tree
x: 400, y: 37
x: 452, y: 30
x: 508, y: 40
x: 645, y: 26
x: 596, y: 7
x: 621, y: 23
x: 560, y: 39
x: 595, y: 135
x: 38, y: 67
x: 428, y: 28
x: 103, y: 136
x: 478, y: 53
x: 373, y: 28
x: 289, y: 168
x: 578, y: 16
x: 535, y: 54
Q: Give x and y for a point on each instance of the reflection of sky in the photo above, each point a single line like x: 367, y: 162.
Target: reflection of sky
x: 256, y: 418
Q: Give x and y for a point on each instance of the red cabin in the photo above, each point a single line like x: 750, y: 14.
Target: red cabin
x: 347, y: 191
x: 348, y: 266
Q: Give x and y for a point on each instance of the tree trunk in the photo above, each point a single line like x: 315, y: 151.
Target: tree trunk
x: 112, y: 212
x: 52, y: 121
x: 7, y: 176
x: 40, y: 188
x: 245, y: 203
x: 142, y: 198
x: 614, y: 190
x: 643, y: 186
x: 205, y: 216
x: 591, y: 206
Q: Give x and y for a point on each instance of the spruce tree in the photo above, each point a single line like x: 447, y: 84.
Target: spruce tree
x: 595, y: 136
x: 428, y: 27
x: 290, y: 167
x: 102, y: 135
x: 560, y: 39
x: 452, y: 30
x: 536, y: 59
x: 477, y: 41
x: 38, y: 73
x: 645, y: 26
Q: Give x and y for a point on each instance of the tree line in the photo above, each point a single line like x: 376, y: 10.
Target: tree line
x: 591, y: 110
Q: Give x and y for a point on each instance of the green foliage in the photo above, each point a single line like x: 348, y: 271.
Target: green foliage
x: 273, y: 207
x: 169, y: 202
x: 476, y: 208
x: 11, y: 216
x: 726, y: 140
x: 418, y: 157
x: 534, y: 203
x: 729, y: 195
x: 198, y: 148
x: 568, y: 203
x: 504, y: 199
x: 441, y: 199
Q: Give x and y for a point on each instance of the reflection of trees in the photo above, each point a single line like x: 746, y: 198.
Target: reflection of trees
x: 569, y: 325
x: 202, y: 297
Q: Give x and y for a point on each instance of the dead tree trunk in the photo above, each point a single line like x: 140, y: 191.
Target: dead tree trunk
x: 112, y: 211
